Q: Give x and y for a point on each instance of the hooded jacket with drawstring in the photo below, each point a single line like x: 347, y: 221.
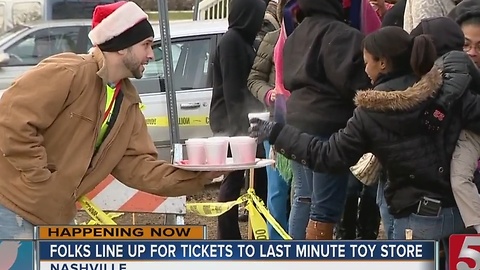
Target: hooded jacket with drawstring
x: 323, y: 68
x: 231, y: 100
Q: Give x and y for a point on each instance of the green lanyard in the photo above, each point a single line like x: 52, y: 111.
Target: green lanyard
x: 112, y: 93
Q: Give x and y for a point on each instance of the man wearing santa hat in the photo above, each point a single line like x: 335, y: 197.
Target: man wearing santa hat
x: 72, y: 120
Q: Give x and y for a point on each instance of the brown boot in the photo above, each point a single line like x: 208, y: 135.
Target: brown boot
x: 317, y: 230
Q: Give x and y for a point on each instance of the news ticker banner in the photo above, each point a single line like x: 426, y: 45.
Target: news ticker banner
x: 145, y: 247
x: 218, y: 255
x: 110, y: 232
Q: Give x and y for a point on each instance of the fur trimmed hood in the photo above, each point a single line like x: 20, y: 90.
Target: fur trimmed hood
x: 401, y: 100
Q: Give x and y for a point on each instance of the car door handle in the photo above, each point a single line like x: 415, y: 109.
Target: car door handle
x: 192, y: 105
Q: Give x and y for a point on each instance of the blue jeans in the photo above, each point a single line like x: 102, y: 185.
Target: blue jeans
x: 12, y: 226
x: 317, y: 196
x: 298, y: 220
x: 387, y: 218
x: 431, y: 228
x: 328, y: 195
x: 329, y: 192
x: 277, y: 198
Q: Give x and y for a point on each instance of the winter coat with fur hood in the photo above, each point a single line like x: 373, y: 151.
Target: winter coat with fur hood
x: 386, y: 123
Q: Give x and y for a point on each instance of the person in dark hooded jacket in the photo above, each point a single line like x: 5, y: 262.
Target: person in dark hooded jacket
x: 323, y: 70
x: 449, y: 38
x: 446, y: 36
x: 232, y: 101
x: 386, y: 123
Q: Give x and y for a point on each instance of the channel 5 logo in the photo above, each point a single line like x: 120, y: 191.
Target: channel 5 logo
x: 464, y: 252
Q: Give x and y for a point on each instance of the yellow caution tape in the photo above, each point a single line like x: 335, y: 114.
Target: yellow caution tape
x: 214, y: 209
x: 259, y: 226
x: 93, y: 222
x: 162, y: 121
x: 97, y: 215
x: 255, y: 207
x: 264, y: 211
x: 182, y: 121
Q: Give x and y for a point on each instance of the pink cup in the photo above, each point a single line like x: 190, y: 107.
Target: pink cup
x: 196, y: 151
x: 244, y: 149
x: 216, y: 149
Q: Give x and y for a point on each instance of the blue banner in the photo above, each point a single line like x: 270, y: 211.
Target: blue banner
x: 16, y: 254
x: 236, y: 250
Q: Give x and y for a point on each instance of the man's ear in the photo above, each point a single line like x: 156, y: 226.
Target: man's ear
x: 122, y: 52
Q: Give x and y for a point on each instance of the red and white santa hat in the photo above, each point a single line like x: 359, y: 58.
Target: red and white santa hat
x: 118, y: 26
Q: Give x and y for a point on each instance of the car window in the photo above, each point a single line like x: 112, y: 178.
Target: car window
x: 190, y: 65
x: 43, y: 43
x: 192, y: 68
x: 155, y: 67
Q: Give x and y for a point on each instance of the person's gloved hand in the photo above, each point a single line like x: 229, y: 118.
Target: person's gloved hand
x: 260, y: 129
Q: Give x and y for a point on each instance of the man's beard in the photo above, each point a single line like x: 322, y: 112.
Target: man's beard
x: 133, y: 65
